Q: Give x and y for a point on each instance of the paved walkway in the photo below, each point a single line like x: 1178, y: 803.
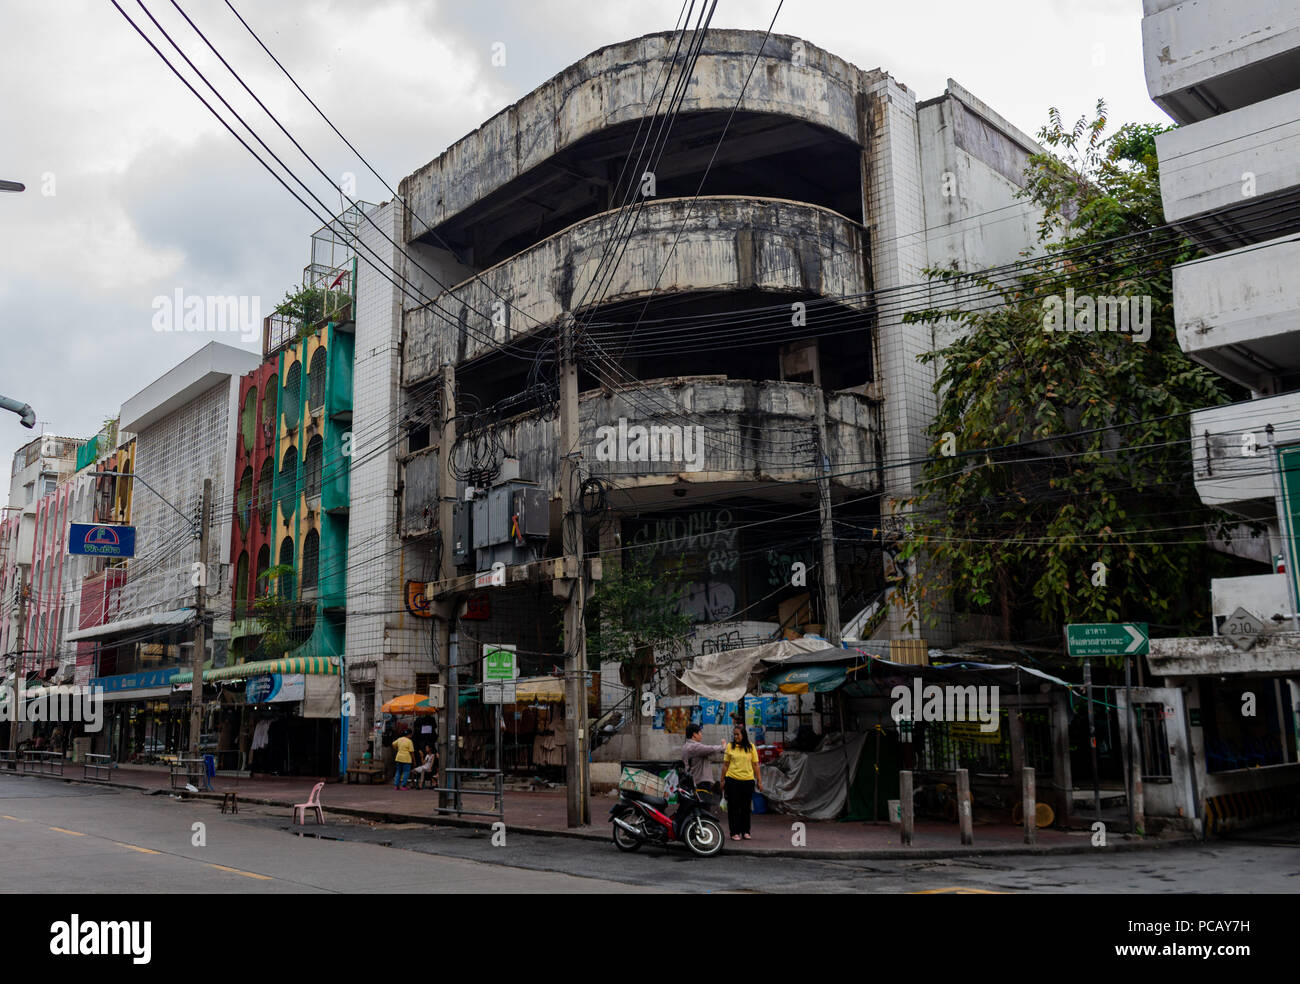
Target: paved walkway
x: 544, y: 812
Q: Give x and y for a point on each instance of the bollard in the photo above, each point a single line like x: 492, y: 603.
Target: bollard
x: 1029, y: 802
x: 963, y: 807
x: 907, y: 806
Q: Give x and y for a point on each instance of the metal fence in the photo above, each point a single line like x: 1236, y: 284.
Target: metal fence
x: 945, y: 746
x: 188, y: 770
x: 97, y: 767
x: 42, y: 763
x: 1154, y: 742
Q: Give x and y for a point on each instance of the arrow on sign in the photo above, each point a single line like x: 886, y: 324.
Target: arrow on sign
x: 1137, y: 639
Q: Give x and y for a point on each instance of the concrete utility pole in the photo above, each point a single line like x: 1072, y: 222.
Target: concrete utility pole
x: 444, y: 610
x: 572, y: 585
x: 15, y: 691
x: 829, y: 579
x: 1279, y: 502
x: 200, y: 642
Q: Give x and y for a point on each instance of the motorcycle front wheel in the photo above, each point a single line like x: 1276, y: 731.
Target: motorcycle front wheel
x: 703, y: 836
x: 622, y: 839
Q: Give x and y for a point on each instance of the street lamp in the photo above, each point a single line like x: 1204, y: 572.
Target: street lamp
x: 23, y: 410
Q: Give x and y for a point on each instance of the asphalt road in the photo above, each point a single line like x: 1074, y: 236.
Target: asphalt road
x: 58, y: 837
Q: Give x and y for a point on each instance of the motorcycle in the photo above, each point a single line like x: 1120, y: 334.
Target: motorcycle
x: 638, y: 818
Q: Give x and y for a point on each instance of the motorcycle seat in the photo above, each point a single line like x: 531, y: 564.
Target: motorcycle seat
x: 645, y: 798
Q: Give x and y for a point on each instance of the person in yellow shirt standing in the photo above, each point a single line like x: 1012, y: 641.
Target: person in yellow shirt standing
x: 740, y: 775
x: 404, y: 754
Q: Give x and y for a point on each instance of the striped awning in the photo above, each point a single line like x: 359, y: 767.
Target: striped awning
x: 312, y: 665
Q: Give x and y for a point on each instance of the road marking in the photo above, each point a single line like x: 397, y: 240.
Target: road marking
x: 64, y: 831
x: 142, y: 850
x: 14, y: 819
x: 959, y: 890
x: 236, y: 871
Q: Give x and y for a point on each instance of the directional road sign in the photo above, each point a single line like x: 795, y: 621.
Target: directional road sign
x: 1107, y: 639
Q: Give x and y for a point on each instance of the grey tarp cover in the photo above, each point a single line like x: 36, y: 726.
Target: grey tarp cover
x: 725, y: 676
x: 814, y: 784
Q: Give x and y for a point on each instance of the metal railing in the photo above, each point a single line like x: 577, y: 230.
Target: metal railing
x: 9, y: 760
x: 456, y: 791
x: 97, y: 767
x: 42, y: 763
x: 188, y: 770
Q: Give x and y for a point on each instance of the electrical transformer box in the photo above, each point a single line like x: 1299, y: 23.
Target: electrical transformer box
x: 533, y: 510
x: 461, y: 546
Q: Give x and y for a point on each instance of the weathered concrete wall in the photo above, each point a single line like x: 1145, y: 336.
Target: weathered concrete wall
x: 725, y: 242
x: 619, y: 84
x: 751, y: 430
x: 1273, y: 653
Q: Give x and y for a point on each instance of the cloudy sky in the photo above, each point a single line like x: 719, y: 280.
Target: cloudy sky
x: 134, y: 191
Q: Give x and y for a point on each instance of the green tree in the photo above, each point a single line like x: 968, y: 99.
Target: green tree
x: 275, y: 611
x: 1071, y: 448
x: 636, y: 619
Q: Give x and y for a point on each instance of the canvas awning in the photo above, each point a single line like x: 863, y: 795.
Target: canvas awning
x: 807, y: 679
x: 310, y: 665
x: 726, y: 676
x: 179, y: 616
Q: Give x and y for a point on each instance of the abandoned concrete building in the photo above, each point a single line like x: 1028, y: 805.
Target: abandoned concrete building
x: 735, y: 275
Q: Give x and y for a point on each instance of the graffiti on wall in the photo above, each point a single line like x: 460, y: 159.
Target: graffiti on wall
x: 707, y: 543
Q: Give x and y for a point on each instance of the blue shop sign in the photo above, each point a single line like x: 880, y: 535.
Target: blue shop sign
x: 101, y: 541
x: 144, y: 680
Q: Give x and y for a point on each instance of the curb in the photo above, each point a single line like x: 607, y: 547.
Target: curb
x: 593, y: 834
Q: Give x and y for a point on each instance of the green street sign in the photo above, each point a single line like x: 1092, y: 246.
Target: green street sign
x: 499, y: 664
x: 1107, y: 639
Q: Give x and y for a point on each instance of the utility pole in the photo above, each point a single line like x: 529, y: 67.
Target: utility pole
x: 200, y: 642
x: 829, y: 579
x: 443, y: 611
x: 1283, y: 524
x: 572, y: 585
x: 15, y: 691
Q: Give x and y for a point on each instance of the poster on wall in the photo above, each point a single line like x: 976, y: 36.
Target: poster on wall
x: 273, y: 688
x: 676, y: 719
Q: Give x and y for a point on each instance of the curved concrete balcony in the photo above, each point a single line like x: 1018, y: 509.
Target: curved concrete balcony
x: 1203, y: 59
x: 1231, y: 462
x: 1237, y: 313
x: 725, y: 242
x: 619, y: 84
x: 683, y: 435
x: 1234, y: 179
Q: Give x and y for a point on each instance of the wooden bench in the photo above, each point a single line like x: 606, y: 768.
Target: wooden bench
x: 369, y: 771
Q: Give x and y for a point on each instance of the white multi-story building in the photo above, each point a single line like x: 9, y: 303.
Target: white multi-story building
x: 1229, y: 75
x: 184, y: 427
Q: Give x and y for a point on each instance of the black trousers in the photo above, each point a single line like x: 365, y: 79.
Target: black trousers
x: 740, y: 800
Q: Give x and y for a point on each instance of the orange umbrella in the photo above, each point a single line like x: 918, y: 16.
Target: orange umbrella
x: 405, y: 704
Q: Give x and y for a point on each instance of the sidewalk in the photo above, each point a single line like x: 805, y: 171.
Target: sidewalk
x: 544, y: 813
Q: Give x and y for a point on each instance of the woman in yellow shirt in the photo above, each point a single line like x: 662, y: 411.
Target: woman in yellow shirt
x: 740, y: 775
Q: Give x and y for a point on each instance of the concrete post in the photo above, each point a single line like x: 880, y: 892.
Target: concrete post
x: 1029, y: 802
x: 908, y: 807
x: 964, y: 818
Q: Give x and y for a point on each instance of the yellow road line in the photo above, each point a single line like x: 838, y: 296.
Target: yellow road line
x: 236, y: 871
x: 14, y: 819
x: 958, y: 890
x: 142, y: 850
x: 72, y: 832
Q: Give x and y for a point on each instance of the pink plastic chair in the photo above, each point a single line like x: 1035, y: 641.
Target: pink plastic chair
x: 313, y: 803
